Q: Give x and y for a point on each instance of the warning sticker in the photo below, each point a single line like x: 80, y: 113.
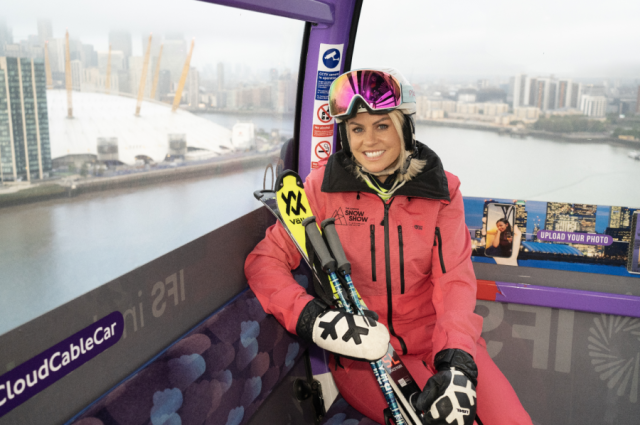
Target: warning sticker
x: 329, y: 64
x: 322, y: 130
x: 324, y: 82
x: 323, y: 113
x: 323, y: 149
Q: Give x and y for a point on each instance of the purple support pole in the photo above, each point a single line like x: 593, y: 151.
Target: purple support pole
x: 337, y: 33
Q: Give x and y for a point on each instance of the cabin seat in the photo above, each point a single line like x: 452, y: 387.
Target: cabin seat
x: 218, y: 373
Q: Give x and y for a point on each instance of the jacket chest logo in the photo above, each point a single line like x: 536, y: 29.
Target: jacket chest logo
x: 350, y: 217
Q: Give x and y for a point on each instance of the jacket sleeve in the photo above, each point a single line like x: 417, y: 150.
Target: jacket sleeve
x: 455, y: 286
x: 268, y: 271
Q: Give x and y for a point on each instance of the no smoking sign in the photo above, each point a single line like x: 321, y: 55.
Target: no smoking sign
x: 323, y: 113
x: 323, y: 149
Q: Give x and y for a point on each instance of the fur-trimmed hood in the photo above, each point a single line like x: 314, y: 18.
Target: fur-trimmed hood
x: 340, y: 175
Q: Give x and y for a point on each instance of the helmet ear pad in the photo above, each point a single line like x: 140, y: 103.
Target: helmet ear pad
x: 344, y: 141
x: 408, y: 130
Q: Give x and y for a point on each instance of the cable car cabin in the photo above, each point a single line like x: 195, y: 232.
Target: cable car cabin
x: 123, y: 297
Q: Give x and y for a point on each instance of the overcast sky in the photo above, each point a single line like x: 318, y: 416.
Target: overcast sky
x: 585, y: 38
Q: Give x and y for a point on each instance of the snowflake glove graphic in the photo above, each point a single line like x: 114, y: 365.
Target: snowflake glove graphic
x: 450, y: 395
x: 343, y: 333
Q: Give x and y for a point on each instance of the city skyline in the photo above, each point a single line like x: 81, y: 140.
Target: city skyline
x: 192, y: 19
x: 489, y: 39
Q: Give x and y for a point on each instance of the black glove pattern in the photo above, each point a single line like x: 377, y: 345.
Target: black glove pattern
x: 450, y: 395
x: 448, y: 398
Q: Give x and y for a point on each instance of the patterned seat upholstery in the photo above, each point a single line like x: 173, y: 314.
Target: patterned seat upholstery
x: 219, y: 373
x: 341, y: 413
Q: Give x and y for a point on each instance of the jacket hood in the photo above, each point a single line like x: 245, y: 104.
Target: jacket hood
x: 430, y: 183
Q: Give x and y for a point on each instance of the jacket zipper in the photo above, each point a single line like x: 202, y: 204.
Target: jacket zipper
x: 373, y: 251
x: 438, y: 241
x: 387, y: 261
x: 401, y: 259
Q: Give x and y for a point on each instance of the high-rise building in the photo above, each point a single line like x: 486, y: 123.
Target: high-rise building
x: 117, y: 61
x: 155, y: 45
x: 593, y: 106
x: 638, y: 102
x: 124, y: 81
x: 520, y: 91
x: 121, y: 40
x: 96, y: 82
x: 174, y: 54
x: 135, y: 74
x: 6, y: 36
x: 77, y: 74
x: 220, y: 78
x: 88, y: 56
x: 193, y: 88
x: 564, y: 94
x: 532, y: 99
x: 25, y: 151
x: 164, y: 84
x: 543, y: 93
x: 56, y: 54
x: 45, y: 30
x: 620, y: 217
x: 521, y: 219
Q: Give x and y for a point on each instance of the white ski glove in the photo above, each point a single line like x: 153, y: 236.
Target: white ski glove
x: 348, y: 335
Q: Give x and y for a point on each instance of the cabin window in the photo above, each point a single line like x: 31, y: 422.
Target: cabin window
x: 535, y: 101
x: 128, y: 129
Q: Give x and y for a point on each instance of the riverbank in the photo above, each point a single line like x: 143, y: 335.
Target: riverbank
x: 518, y: 132
x: 69, y: 187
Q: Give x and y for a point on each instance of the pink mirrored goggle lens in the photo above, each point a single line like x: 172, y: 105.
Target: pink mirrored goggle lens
x: 381, y: 91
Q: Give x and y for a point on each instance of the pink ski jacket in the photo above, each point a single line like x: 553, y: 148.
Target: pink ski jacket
x: 410, y: 257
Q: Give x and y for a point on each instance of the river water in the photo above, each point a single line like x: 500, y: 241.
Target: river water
x: 55, y: 251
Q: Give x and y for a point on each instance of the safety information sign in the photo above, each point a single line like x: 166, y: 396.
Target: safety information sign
x: 323, y: 149
x: 323, y: 130
x: 323, y: 113
x: 329, y: 63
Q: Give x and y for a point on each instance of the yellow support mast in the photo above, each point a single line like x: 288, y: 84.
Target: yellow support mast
x: 68, y: 78
x: 143, y: 78
x: 156, y: 75
x: 183, y: 79
x: 47, y: 65
x: 108, y: 79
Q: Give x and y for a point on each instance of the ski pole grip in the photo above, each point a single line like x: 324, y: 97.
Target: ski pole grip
x: 322, y: 252
x: 331, y: 234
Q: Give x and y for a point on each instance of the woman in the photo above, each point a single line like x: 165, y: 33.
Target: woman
x: 502, y: 244
x: 410, y: 254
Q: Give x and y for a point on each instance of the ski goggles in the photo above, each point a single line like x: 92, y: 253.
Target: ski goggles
x: 380, y: 91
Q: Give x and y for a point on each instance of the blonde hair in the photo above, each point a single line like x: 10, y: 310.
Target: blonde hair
x: 415, y: 166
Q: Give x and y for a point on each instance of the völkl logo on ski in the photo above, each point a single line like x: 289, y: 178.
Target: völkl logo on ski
x: 291, y: 196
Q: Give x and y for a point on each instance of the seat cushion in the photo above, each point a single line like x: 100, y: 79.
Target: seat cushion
x: 340, y: 413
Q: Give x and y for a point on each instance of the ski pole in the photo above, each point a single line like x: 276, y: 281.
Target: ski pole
x: 344, y: 268
x: 328, y: 264
x: 342, y: 264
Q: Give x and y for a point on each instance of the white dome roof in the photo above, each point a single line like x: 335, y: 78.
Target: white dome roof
x: 101, y: 115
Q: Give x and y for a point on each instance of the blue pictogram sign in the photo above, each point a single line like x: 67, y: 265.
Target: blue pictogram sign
x: 331, y: 58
